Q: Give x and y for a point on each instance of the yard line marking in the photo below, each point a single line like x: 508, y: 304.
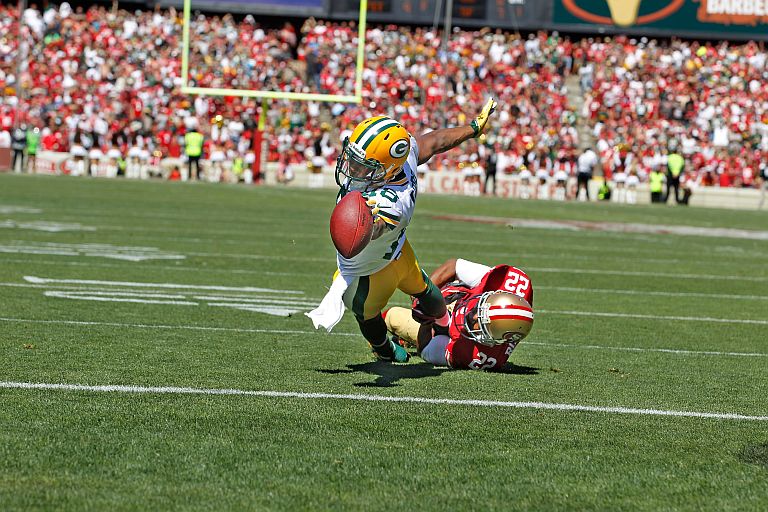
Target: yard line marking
x: 271, y: 303
x: 644, y: 349
x: 424, y: 263
x: 118, y: 252
x: 376, y: 398
x: 542, y: 287
x: 160, y: 326
x: 111, y: 298
x: 114, y: 291
x: 655, y: 317
x: 330, y: 257
x: 664, y: 294
x: 167, y: 267
x: 611, y: 227
x: 8, y: 208
x: 259, y: 300
x: 42, y: 280
x: 353, y: 334
x: 644, y: 274
x: 42, y: 225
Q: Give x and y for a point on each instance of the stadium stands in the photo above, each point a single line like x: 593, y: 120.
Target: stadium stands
x: 105, y: 79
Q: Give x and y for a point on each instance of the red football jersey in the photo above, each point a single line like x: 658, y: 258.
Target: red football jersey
x: 463, y: 352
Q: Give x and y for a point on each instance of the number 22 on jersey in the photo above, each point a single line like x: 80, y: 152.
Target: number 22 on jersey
x: 516, y: 282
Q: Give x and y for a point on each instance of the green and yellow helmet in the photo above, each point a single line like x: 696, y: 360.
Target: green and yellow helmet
x: 374, y: 153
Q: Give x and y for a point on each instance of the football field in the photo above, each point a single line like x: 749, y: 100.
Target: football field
x: 154, y: 355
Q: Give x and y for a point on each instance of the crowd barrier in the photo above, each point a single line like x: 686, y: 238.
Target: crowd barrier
x: 433, y: 182
x: 509, y: 186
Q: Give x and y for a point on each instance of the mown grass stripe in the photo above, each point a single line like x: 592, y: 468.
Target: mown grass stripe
x: 354, y: 334
x: 377, y: 398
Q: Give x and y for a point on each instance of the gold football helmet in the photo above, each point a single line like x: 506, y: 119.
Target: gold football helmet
x: 374, y: 153
x: 495, y: 318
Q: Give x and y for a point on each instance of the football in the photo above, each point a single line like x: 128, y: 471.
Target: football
x: 351, y: 225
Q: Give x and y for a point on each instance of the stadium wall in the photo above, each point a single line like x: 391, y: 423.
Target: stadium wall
x: 456, y: 183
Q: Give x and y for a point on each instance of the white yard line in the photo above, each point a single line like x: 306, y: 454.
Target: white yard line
x: 607, y: 291
x: 378, y: 398
x: 131, y: 284
x: 354, y: 334
x: 426, y: 264
x: 100, y: 298
x: 166, y: 267
x: 576, y: 271
x: 654, y: 317
x: 645, y: 292
x: 163, y: 327
x: 645, y: 349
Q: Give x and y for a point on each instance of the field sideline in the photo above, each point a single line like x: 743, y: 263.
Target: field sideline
x: 154, y: 355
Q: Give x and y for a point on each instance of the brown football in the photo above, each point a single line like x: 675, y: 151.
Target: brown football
x: 351, y: 224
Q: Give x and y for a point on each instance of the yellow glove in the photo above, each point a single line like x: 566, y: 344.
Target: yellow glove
x: 478, y: 124
x: 373, y: 205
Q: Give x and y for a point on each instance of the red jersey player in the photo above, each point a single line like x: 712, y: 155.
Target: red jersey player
x: 490, y: 314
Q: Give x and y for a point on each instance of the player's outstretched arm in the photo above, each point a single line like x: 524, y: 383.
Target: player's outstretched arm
x: 440, y: 141
x: 445, y: 273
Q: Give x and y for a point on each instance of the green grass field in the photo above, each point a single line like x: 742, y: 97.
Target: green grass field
x: 149, y: 285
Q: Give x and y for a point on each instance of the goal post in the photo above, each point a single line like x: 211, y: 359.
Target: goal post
x: 279, y: 95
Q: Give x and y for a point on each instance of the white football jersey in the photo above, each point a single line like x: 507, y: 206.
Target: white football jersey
x: 396, y: 201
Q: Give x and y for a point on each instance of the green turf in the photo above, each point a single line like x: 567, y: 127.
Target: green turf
x: 77, y: 450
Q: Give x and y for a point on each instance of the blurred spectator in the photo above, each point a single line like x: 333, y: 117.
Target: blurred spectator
x: 604, y: 192
x: 491, y: 161
x: 656, y: 179
x: 193, y: 149
x: 19, y: 144
x: 33, y: 143
x: 675, y: 168
x: 585, y: 166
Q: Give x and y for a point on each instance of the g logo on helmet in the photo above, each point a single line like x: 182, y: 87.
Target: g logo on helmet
x: 400, y: 148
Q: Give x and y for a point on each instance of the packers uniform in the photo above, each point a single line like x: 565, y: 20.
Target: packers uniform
x: 388, y: 262
x: 379, y: 159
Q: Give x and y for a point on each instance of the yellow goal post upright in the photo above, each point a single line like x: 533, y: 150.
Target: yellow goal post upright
x: 278, y: 95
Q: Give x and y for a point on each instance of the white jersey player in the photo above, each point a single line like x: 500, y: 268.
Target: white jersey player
x: 380, y: 159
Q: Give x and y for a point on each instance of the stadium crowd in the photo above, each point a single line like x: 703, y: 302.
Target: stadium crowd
x: 99, y: 82
x: 709, y: 102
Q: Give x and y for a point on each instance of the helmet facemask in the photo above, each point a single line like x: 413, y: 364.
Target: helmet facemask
x: 470, y: 324
x: 476, y: 322
x: 358, y: 171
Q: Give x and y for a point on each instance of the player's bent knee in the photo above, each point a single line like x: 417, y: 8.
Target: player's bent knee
x: 434, y: 352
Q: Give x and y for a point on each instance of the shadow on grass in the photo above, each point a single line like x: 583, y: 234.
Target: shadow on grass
x: 514, y: 369
x: 388, y: 375
x: 755, y: 454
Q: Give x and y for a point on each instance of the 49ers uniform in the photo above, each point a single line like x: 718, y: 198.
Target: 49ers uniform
x: 463, y: 352
x: 457, y: 350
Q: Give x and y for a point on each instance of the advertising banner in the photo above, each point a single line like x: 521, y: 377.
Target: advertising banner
x: 714, y: 19
x: 510, y: 14
x: 288, y: 7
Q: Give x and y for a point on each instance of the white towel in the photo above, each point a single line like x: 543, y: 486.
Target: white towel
x: 331, y: 309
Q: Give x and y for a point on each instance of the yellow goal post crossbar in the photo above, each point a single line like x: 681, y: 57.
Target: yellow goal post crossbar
x: 296, y: 96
